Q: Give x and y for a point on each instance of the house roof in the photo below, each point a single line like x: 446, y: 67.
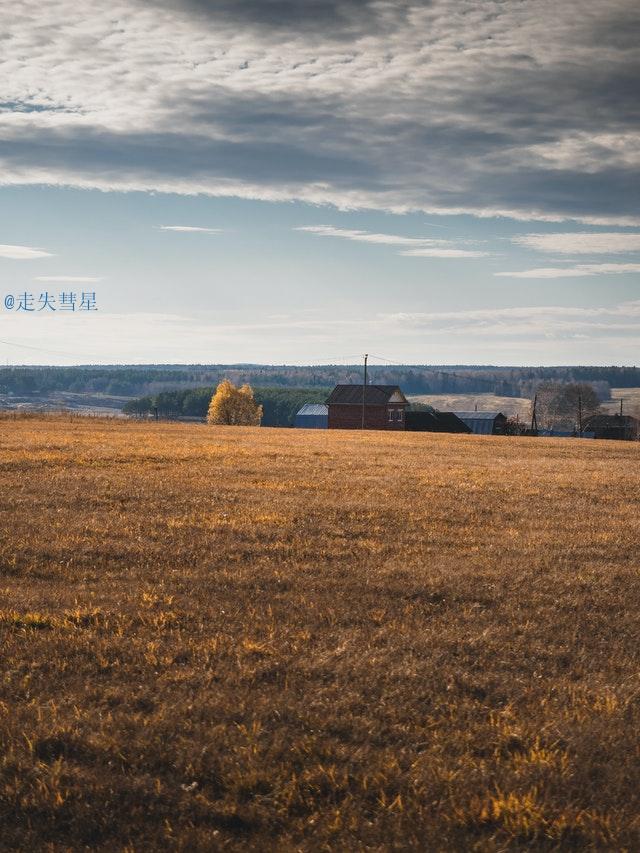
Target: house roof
x: 478, y: 416
x: 450, y: 422
x: 375, y: 395
x: 435, y: 422
x: 608, y: 421
x: 313, y: 409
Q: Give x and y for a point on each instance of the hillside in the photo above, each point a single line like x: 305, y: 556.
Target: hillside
x: 257, y: 639
x: 509, y: 406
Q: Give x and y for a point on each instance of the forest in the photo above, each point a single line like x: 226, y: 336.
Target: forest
x: 143, y: 380
x: 279, y: 405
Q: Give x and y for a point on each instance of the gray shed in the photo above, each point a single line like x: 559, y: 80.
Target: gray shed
x: 484, y: 423
x: 312, y: 416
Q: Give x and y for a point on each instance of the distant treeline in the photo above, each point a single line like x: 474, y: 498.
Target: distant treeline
x: 143, y: 380
x: 279, y: 405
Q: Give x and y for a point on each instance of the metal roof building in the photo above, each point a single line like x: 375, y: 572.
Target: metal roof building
x: 312, y: 416
x: 483, y: 423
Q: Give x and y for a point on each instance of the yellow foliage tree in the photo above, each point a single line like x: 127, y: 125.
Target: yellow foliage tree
x: 234, y: 406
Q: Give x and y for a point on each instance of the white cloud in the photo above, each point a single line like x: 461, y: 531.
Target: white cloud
x: 76, y: 279
x: 423, y: 247
x: 580, y: 243
x: 366, y: 236
x: 22, y: 253
x: 445, y: 253
x: 190, y: 228
x: 526, y: 325
x: 511, y: 335
x: 573, y: 272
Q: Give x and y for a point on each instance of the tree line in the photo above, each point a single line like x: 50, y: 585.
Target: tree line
x: 144, y: 380
x: 279, y: 405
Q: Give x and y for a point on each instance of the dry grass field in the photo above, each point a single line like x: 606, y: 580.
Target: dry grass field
x: 224, y: 638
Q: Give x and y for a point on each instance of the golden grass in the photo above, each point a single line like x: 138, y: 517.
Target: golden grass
x: 251, y: 639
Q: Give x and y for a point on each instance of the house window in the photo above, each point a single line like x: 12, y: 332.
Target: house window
x: 390, y: 415
x: 399, y: 414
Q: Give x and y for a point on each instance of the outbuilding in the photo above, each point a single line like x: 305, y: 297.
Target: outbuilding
x: 312, y: 416
x: 435, y: 422
x: 620, y: 427
x: 484, y: 423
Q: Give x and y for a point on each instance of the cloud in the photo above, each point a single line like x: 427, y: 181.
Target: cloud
x: 487, y: 108
x: 444, y: 253
x: 423, y: 247
x: 76, y: 279
x: 190, y: 228
x: 365, y: 236
x: 333, y: 19
x: 22, y: 253
x: 543, y: 313
x: 511, y: 335
x: 580, y: 243
x: 573, y: 272
x: 526, y: 324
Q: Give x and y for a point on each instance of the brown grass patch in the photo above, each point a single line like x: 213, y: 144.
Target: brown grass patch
x: 237, y: 638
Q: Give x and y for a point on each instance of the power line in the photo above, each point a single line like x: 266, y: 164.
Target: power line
x: 467, y: 377
x: 38, y: 349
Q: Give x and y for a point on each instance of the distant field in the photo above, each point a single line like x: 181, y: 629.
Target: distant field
x: 81, y: 403
x: 630, y: 401
x: 509, y: 406
x: 252, y: 639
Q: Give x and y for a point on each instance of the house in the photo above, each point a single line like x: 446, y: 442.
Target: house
x: 484, y: 423
x: 621, y: 427
x: 434, y: 422
x: 382, y: 406
x: 312, y: 416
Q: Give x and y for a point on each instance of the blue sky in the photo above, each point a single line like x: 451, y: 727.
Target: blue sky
x: 286, y: 182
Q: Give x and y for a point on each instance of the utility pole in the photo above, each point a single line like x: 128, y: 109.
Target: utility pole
x: 580, y: 415
x: 534, y: 416
x: 364, y: 386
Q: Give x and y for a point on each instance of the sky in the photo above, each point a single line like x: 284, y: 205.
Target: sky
x: 277, y: 181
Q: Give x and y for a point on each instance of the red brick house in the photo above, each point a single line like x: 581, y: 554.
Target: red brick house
x: 384, y: 407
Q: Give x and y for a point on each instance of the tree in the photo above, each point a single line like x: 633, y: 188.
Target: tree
x: 234, y: 406
x: 560, y: 406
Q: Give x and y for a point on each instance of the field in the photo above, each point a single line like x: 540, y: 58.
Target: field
x: 630, y: 398
x: 253, y: 639
x: 509, y: 406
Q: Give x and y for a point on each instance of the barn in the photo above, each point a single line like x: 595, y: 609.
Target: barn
x: 380, y: 406
x: 484, y: 423
x: 312, y: 416
x: 435, y: 422
x: 620, y: 427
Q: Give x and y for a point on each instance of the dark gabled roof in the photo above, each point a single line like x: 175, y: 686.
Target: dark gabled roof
x: 478, y: 416
x: 451, y: 422
x: 351, y: 395
x: 609, y: 421
x: 434, y: 422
